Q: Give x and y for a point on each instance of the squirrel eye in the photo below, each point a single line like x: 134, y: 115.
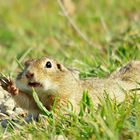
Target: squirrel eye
x: 48, y: 64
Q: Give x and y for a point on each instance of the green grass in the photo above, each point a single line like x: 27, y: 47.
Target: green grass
x: 30, y: 29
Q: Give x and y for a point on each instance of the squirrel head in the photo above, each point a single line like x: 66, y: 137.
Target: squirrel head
x: 44, y: 74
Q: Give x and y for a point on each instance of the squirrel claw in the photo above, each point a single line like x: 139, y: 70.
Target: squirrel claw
x: 12, y: 89
x: 8, y: 85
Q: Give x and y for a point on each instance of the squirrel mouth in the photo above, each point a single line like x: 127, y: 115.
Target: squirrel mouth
x: 34, y: 84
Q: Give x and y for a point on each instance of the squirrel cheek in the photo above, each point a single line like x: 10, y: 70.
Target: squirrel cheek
x: 48, y: 85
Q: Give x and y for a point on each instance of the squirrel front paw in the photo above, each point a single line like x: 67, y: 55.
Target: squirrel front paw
x: 8, y: 85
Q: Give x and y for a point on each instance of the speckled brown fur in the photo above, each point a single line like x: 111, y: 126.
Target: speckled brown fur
x: 58, y: 82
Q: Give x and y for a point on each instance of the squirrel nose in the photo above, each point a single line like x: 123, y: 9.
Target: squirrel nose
x: 29, y: 75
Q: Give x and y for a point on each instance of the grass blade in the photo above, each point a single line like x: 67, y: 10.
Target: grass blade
x: 40, y: 105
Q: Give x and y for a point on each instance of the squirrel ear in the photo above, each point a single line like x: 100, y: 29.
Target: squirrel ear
x: 75, y: 72
x: 61, y: 67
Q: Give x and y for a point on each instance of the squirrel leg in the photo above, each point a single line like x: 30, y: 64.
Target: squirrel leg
x: 24, y: 100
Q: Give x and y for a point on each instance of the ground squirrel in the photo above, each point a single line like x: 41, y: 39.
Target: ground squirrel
x: 53, y: 80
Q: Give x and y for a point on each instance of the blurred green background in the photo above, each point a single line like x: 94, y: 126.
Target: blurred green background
x: 38, y: 27
x: 94, y: 36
